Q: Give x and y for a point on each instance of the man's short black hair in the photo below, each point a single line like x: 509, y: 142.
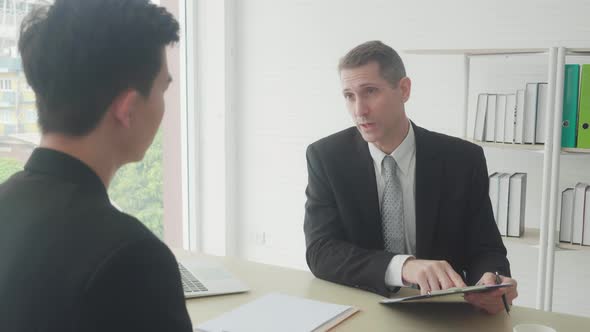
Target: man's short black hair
x: 79, y: 55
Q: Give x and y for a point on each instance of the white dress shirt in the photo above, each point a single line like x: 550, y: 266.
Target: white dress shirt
x: 405, y: 157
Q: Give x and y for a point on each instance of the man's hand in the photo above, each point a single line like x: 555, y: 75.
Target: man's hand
x: 430, y: 275
x: 491, y: 301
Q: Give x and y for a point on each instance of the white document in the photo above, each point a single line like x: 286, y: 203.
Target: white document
x: 510, y: 118
x: 494, y: 191
x: 516, y: 204
x: 490, y: 131
x: 279, y: 312
x: 519, y: 117
x: 578, y: 223
x: 542, y: 95
x: 586, y: 233
x: 480, y: 117
x: 503, y: 199
x: 500, y: 116
x: 530, y: 112
x: 567, y: 207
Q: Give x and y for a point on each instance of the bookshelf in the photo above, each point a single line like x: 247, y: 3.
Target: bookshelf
x: 545, y: 237
x: 492, y: 51
x: 526, y: 147
x: 575, y: 150
x: 531, y: 238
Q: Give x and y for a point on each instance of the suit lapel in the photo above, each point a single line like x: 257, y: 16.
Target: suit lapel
x: 366, y: 192
x: 428, y: 181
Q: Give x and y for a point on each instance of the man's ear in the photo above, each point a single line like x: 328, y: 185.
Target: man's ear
x: 123, y: 106
x: 405, y: 85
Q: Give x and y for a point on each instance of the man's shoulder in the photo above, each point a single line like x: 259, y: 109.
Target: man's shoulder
x: 120, y: 232
x: 342, y: 139
x: 124, y: 240
x: 117, y: 226
x: 448, y: 144
x: 114, y: 238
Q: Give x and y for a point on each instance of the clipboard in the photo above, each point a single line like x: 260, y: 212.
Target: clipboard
x: 448, y: 295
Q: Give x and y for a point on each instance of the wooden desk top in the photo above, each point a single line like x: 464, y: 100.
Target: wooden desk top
x: 263, y: 279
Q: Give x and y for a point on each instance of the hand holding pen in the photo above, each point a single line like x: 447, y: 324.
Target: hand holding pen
x: 496, y: 300
x: 499, y: 281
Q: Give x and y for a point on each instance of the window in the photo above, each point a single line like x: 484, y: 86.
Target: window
x: 18, y: 137
x: 151, y: 189
x: 139, y: 189
x: 4, y: 116
x: 31, y: 116
x: 5, y: 84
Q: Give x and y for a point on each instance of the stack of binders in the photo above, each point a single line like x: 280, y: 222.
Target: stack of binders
x: 575, y: 215
x: 517, y: 118
x: 508, y: 197
x: 520, y: 117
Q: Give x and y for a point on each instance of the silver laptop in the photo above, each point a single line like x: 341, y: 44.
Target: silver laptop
x: 201, y: 277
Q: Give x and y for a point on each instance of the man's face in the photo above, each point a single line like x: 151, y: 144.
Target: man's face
x: 150, y: 111
x: 376, y: 107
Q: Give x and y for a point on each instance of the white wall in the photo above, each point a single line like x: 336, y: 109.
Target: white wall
x: 287, y: 89
x: 287, y: 95
x: 211, y: 108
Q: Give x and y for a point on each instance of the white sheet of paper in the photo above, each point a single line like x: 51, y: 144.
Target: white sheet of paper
x: 275, y: 312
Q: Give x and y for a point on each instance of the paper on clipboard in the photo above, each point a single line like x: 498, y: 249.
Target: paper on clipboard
x: 447, y: 295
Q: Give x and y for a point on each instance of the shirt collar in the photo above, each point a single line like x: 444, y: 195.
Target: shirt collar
x: 61, y: 165
x: 402, y: 154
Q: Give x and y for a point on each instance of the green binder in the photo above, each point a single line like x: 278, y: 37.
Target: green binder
x: 584, y: 114
x: 570, y: 106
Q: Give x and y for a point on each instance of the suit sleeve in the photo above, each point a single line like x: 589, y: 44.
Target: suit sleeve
x: 486, y: 252
x: 137, y: 289
x: 330, y: 254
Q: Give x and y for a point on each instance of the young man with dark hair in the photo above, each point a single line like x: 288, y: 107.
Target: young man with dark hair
x: 391, y: 204
x: 69, y: 260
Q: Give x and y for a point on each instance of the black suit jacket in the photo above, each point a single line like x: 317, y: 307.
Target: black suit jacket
x: 70, y: 261
x: 454, y: 220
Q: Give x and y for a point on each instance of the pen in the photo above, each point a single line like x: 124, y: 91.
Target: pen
x: 498, y: 281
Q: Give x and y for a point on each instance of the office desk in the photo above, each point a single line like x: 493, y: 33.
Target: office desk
x: 263, y: 279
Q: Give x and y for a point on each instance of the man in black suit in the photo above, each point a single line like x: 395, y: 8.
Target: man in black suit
x: 391, y: 204
x: 69, y: 260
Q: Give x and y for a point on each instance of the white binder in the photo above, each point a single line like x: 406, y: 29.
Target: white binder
x: 516, y: 204
x: 480, y: 117
x: 503, y: 199
x: 510, y: 118
x: 519, y: 117
x: 586, y: 232
x: 530, y: 112
x: 567, y: 207
x: 578, y: 219
x: 500, y: 118
x: 493, y: 192
x: 542, y: 94
x: 490, y: 129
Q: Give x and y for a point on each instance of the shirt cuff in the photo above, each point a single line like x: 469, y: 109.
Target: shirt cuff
x: 393, y: 274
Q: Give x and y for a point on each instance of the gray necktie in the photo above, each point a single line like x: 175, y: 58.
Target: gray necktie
x: 392, y: 208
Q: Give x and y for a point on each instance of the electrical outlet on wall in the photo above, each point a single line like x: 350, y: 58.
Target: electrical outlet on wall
x: 260, y: 238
